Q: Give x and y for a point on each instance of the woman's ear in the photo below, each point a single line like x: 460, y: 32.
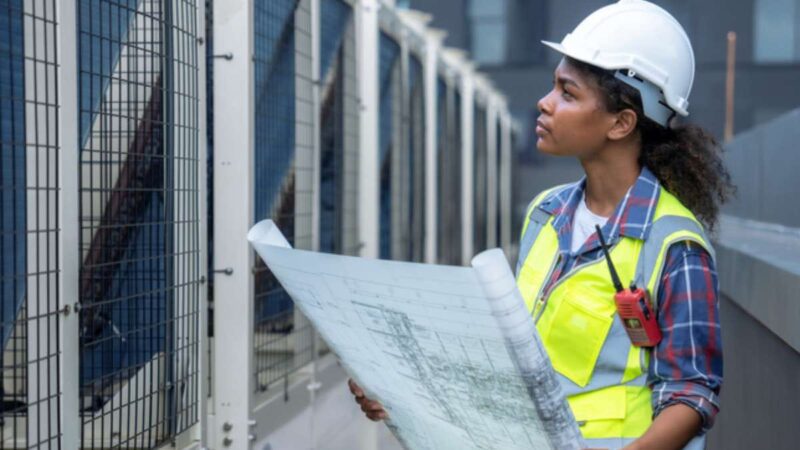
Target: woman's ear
x: 624, y: 125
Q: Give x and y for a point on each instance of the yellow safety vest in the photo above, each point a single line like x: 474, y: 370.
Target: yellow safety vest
x: 602, y: 374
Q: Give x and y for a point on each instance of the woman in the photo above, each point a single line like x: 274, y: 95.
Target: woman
x: 653, y: 187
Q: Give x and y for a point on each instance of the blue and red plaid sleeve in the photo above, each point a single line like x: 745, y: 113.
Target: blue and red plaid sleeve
x: 686, y: 366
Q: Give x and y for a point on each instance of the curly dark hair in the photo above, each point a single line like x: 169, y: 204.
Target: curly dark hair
x: 686, y: 159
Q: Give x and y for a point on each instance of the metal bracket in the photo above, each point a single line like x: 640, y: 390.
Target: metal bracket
x: 226, y: 271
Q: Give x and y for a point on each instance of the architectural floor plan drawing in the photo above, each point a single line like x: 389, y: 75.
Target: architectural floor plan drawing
x: 450, y: 352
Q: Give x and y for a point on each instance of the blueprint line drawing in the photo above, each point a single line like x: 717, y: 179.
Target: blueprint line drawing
x: 451, y: 352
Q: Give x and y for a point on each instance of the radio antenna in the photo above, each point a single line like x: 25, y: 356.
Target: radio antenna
x: 614, y: 276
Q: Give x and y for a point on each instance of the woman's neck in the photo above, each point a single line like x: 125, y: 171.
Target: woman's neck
x: 607, y: 182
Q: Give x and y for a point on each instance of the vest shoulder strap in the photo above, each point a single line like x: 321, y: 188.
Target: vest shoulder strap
x: 672, y: 223
x: 539, y: 217
x: 531, y: 210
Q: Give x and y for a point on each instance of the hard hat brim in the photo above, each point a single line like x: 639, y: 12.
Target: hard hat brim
x: 556, y: 46
x: 560, y: 48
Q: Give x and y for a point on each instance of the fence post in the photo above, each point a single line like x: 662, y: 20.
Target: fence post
x: 369, y: 198
x: 433, y: 42
x: 467, y: 145
x: 69, y: 237
x: 233, y: 216
x: 203, y: 387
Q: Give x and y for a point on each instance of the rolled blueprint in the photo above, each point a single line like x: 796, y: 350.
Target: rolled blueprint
x: 526, y: 348
x: 449, y: 351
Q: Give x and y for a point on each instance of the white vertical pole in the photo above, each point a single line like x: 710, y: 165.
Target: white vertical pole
x: 68, y: 238
x: 369, y: 193
x: 432, y: 45
x: 202, y: 209
x: 233, y: 216
x: 402, y: 190
x: 467, y: 190
x: 316, y: 93
x: 301, y: 322
x: 491, y: 171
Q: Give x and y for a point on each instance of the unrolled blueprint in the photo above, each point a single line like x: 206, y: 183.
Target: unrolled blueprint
x: 451, y: 352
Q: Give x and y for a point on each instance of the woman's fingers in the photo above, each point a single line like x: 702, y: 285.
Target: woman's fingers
x: 371, y: 406
x: 372, y: 409
x: 377, y: 416
x: 355, y: 388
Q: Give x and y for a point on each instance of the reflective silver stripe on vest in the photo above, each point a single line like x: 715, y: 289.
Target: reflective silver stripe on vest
x: 660, y: 231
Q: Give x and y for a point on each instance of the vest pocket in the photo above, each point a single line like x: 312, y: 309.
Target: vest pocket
x: 574, y: 338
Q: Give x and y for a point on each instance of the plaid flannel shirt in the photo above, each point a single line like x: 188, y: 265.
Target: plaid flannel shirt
x: 686, y: 366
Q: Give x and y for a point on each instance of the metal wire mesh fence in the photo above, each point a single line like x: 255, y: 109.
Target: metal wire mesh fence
x: 389, y: 117
x: 416, y: 161
x: 29, y: 228
x: 283, y: 126
x: 479, y: 177
x: 449, y: 173
x: 139, y: 221
x: 139, y: 200
x: 338, y: 129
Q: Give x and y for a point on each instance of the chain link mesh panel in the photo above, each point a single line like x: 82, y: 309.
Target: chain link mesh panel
x: 283, y: 125
x: 416, y: 160
x: 139, y: 221
x: 449, y: 173
x: 480, y: 152
x: 338, y: 129
x: 29, y: 227
x: 389, y: 115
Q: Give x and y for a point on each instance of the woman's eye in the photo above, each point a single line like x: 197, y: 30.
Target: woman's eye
x: 566, y: 94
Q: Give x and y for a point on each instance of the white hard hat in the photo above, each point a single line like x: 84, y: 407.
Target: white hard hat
x: 647, y: 44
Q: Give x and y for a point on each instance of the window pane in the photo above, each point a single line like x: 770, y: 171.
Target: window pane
x: 489, y: 41
x: 487, y: 8
x: 775, y: 28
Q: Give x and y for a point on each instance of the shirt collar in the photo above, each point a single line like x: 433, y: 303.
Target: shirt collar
x: 633, y: 216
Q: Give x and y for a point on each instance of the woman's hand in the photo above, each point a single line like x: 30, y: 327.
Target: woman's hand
x: 372, y: 409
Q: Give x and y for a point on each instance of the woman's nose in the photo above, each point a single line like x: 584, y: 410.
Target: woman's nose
x: 544, y: 105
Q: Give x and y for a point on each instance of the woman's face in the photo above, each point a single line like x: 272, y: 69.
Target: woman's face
x: 573, y: 120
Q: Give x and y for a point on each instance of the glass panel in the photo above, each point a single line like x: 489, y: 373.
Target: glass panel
x: 488, y: 41
x: 776, y: 22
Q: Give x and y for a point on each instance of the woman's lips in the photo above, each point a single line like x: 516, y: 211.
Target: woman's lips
x: 541, y: 128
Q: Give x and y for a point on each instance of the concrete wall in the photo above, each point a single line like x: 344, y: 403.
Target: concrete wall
x: 758, y: 258
x: 764, y: 163
x: 760, y: 394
